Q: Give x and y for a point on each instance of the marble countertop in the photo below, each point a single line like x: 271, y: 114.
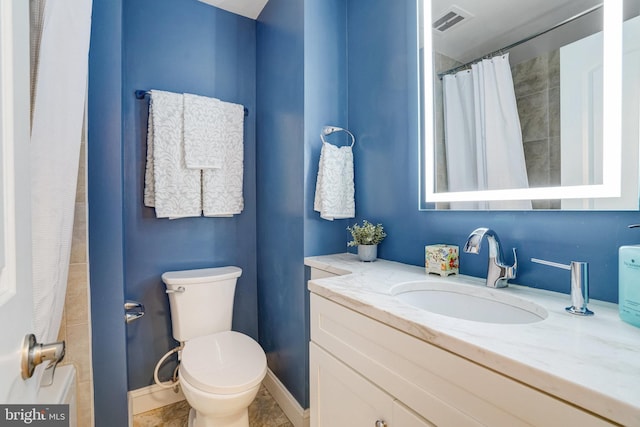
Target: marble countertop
x: 593, y: 362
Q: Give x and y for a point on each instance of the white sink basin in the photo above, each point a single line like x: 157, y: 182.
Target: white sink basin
x: 469, y: 302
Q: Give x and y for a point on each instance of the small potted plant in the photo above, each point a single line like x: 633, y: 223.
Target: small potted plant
x: 366, y: 237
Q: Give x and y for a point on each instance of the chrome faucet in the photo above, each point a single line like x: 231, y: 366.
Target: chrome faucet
x: 497, y: 272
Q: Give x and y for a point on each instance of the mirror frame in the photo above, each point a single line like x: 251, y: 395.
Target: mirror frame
x: 612, y: 111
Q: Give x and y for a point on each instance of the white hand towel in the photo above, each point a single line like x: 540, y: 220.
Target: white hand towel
x: 222, y: 188
x: 335, y: 189
x: 205, y: 132
x: 170, y: 187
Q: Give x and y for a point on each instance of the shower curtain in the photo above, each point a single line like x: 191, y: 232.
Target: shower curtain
x: 483, y: 138
x: 61, y: 29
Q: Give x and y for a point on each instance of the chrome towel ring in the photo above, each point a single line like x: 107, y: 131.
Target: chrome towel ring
x: 328, y: 130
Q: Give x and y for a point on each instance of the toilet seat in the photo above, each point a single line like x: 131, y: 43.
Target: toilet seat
x: 223, y: 363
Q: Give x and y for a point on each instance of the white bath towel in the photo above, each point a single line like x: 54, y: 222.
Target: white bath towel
x: 335, y: 190
x: 205, y: 132
x: 222, y: 193
x: 170, y: 187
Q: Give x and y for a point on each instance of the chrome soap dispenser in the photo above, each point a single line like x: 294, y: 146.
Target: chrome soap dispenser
x: 629, y: 283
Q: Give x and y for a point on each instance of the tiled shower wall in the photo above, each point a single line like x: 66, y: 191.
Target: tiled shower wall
x: 537, y: 86
x: 75, y: 327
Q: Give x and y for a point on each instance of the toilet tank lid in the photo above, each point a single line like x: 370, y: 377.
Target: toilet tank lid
x: 188, y: 277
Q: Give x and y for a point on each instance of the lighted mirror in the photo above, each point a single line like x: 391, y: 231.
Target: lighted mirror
x: 523, y: 104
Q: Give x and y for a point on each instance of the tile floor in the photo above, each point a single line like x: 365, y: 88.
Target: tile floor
x: 263, y: 412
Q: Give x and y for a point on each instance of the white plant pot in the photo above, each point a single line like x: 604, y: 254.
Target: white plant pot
x: 367, y: 253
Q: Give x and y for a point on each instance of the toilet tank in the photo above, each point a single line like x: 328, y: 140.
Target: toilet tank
x: 201, y: 300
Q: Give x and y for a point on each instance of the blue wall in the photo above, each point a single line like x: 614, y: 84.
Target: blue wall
x: 280, y: 171
x: 183, y: 46
x: 301, y: 87
x: 106, y: 202
x: 382, y: 43
x: 325, y: 103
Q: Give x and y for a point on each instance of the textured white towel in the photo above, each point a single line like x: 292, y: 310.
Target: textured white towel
x: 222, y: 188
x: 170, y: 187
x: 205, y: 132
x: 334, y: 188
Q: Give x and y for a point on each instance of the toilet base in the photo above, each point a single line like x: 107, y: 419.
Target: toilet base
x: 210, y: 410
x: 237, y: 420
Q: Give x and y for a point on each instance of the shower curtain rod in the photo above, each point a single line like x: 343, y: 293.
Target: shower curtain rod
x: 519, y: 42
x: 141, y: 94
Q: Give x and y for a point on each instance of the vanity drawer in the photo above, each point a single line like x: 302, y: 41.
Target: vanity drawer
x: 438, y: 385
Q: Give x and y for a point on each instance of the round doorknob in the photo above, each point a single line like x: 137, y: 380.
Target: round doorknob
x: 381, y: 423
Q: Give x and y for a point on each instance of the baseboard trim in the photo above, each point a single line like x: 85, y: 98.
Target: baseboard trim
x: 154, y: 397
x: 298, y: 416
x: 151, y: 397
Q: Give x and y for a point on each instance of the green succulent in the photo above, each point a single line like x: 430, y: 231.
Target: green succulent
x: 366, y: 234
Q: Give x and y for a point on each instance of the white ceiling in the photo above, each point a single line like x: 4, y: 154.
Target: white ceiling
x: 249, y: 8
x: 495, y: 24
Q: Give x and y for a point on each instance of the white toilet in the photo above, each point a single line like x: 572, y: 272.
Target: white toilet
x: 220, y: 370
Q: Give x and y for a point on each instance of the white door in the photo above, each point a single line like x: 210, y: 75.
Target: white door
x: 15, y: 217
x: 581, y: 118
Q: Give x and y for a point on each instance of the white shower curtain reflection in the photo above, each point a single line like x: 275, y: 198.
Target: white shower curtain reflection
x: 56, y: 131
x: 483, y: 138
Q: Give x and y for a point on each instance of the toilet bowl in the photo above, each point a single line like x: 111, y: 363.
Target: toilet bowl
x: 220, y: 370
x: 220, y: 376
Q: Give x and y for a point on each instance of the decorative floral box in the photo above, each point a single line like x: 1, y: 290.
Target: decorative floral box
x: 441, y: 259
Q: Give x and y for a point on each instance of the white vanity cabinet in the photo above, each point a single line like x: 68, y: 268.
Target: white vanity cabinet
x: 366, y: 373
x: 342, y: 397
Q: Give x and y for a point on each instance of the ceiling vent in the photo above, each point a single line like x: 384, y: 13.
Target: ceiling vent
x: 454, y: 16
